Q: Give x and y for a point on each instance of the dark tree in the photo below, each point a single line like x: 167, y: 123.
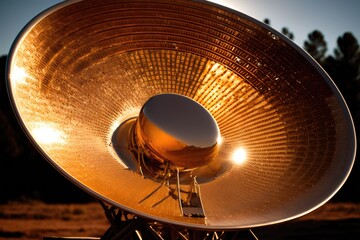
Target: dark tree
x: 344, y: 69
x: 9, y: 139
x: 348, y: 48
x: 287, y: 33
x: 316, y: 46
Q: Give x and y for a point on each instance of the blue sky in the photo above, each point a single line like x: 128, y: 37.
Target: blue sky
x: 331, y: 17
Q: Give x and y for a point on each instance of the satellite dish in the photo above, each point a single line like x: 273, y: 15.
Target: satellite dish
x: 251, y: 130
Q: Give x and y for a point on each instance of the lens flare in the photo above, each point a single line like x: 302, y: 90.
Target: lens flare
x: 239, y: 156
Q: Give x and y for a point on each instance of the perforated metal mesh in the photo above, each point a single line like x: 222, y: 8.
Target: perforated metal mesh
x: 80, y: 69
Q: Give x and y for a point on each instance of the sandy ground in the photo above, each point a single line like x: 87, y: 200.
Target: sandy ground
x: 35, y: 220
x: 332, y: 221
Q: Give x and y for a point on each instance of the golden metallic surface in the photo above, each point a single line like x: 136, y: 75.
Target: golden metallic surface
x: 176, y: 129
x: 82, y: 68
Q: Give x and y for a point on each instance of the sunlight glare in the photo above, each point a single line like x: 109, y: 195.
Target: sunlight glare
x: 219, y: 140
x: 239, y: 156
x: 19, y: 75
x: 48, y: 135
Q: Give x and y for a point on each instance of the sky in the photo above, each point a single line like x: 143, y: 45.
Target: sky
x: 331, y: 17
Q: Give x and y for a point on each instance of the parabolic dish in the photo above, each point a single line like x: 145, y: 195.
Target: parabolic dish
x: 80, y: 69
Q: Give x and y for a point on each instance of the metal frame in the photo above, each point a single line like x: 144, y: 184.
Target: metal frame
x: 127, y: 226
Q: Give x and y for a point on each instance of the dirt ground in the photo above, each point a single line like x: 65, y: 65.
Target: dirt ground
x: 35, y: 220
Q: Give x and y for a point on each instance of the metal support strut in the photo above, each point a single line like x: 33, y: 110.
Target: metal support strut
x: 124, y: 225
